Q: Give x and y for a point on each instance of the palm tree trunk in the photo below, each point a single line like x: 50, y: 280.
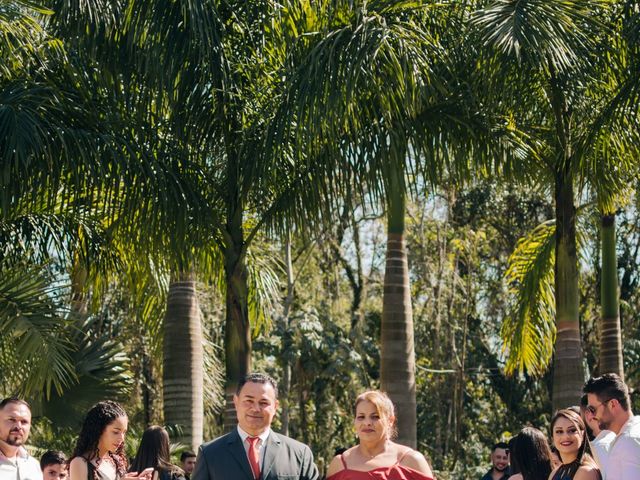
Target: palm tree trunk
x: 610, y: 334
x: 286, y: 342
x: 397, y: 356
x: 237, y: 329
x: 183, y: 360
x: 568, y: 371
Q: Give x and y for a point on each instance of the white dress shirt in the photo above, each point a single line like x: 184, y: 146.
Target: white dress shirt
x: 260, y: 444
x: 600, y: 449
x: 25, y: 467
x: 623, y: 461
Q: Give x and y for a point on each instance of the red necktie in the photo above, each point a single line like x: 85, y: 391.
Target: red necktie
x: 253, y: 456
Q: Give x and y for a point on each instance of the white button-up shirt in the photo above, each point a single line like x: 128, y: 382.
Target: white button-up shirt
x: 600, y: 448
x: 623, y: 461
x: 260, y: 444
x: 25, y: 467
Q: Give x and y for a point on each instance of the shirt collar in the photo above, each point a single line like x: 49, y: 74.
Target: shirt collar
x: 263, y: 436
x: 629, y: 423
x: 22, y: 453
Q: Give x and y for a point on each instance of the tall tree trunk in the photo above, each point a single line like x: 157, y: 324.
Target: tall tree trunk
x: 610, y: 335
x: 237, y: 336
x: 286, y: 360
x: 568, y: 370
x: 397, y: 355
x: 183, y: 360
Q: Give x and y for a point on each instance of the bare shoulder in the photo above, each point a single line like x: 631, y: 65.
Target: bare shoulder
x: 78, y: 469
x: 78, y: 462
x: 587, y: 472
x: 336, y: 464
x: 517, y: 476
x: 414, y: 459
x: 553, y: 472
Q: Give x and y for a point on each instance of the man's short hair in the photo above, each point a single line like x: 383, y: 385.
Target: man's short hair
x: 10, y: 400
x: 186, y: 454
x: 257, y: 377
x: 502, y: 445
x: 52, y: 457
x: 607, y: 387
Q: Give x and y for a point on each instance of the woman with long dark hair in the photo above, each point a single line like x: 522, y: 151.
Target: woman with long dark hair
x: 571, y: 439
x: 153, y: 452
x: 99, y: 452
x: 530, y: 455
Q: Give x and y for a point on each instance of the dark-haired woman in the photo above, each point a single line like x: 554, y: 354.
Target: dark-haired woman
x: 530, y: 455
x: 570, y: 439
x: 153, y: 452
x: 99, y: 451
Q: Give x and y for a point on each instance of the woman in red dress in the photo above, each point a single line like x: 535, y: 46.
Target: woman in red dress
x: 376, y: 456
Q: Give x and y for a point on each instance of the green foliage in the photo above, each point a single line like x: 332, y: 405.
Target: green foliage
x: 529, y: 332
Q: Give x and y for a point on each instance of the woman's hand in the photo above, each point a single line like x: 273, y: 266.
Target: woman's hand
x: 145, y: 474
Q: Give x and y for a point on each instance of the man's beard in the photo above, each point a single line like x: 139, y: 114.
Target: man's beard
x: 604, y: 424
x: 500, y: 469
x: 16, y: 441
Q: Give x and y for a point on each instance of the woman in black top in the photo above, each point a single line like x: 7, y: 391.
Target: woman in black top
x: 99, y: 452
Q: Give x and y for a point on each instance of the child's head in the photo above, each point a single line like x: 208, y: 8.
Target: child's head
x: 54, y: 465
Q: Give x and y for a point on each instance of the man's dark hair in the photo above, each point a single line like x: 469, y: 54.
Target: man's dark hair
x: 52, y: 457
x: 257, y: 377
x: 9, y: 400
x: 186, y: 454
x: 607, y: 387
x: 502, y: 445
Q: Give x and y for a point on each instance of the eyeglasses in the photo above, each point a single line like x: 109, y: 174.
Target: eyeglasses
x: 592, y: 410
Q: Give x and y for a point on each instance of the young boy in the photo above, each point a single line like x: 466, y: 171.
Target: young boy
x: 54, y: 465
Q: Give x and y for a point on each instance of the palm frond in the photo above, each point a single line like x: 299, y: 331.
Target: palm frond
x: 538, y: 32
x: 528, y: 333
x: 101, y: 369
x: 35, y: 356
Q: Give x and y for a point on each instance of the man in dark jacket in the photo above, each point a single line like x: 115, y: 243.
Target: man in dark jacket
x: 500, y: 461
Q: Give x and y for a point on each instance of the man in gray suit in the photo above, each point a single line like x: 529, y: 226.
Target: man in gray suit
x: 253, y: 451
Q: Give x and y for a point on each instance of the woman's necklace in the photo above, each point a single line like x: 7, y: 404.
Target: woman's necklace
x: 368, y: 455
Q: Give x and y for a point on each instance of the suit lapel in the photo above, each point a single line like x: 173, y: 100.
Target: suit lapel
x: 238, y: 453
x: 270, y: 453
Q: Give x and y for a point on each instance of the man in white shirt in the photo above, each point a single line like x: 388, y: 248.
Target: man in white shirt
x: 609, y: 405
x: 15, y: 423
x: 600, y: 440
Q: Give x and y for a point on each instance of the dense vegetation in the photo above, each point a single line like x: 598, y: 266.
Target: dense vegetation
x: 348, y: 195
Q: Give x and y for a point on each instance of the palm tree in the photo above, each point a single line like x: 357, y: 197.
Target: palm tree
x: 610, y: 359
x: 183, y: 380
x: 549, y: 52
x: 378, y: 82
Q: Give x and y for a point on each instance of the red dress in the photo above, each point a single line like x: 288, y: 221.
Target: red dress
x: 394, y: 472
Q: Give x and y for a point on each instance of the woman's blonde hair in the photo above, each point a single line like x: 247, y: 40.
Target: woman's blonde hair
x: 384, y: 407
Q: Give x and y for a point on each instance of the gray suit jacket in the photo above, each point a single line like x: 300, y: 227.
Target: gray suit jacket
x: 225, y: 459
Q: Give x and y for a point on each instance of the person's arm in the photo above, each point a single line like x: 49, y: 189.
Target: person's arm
x: 201, y: 471
x: 335, y: 466
x: 309, y: 468
x: 417, y: 462
x: 78, y: 469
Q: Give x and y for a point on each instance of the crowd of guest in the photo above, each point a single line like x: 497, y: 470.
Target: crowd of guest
x: 600, y: 439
